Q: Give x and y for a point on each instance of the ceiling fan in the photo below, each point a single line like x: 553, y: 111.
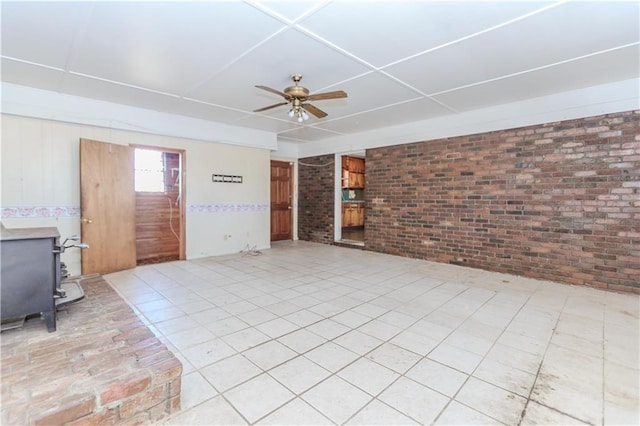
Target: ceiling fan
x: 298, y: 96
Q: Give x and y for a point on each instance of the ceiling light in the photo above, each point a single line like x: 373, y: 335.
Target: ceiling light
x: 297, y: 112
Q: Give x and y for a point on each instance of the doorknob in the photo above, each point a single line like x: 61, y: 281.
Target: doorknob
x: 289, y: 207
x: 86, y: 220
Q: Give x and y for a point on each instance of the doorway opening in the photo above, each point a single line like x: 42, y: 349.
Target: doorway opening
x: 352, y: 187
x: 159, y: 205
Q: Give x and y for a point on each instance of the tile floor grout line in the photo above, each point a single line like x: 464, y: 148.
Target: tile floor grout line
x: 362, y: 356
x: 335, y: 374
x: 452, y: 398
x: 485, y: 357
x: 238, y: 276
x: 423, y: 357
x: 276, y: 366
x: 524, y: 410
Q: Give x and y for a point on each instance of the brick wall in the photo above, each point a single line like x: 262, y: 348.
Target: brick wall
x: 316, y: 199
x: 559, y: 201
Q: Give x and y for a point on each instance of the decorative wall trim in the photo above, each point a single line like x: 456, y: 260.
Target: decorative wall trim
x: 39, y: 212
x: 227, y: 208
x: 74, y: 211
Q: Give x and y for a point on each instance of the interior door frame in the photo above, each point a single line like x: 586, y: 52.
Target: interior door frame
x: 183, y: 191
x: 292, y: 202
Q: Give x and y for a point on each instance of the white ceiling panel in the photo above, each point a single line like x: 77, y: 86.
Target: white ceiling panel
x: 171, y: 46
x: 618, y: 65
x: 271, y: 65
x: 382, y: 32
x: 41, y: 33
x: 369, y: 91
x: 202, y: 59
x: 269, y: 124
x: 31, y: 75
x: 204, y: 111
x: 306, y: 133
x: 568, y: 31
x: 291, y: 10
x: 78, y: 85
x: 417, y: 110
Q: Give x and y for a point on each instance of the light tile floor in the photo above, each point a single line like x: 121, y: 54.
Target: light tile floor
x: 315, y: 334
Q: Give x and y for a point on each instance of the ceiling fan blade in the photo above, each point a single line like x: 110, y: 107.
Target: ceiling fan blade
x: 315, y: 111
x: 270, y: 106
x: 277, y: 92
x: 328, y: 95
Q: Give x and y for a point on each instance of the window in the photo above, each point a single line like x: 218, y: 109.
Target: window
x: 149, y: 170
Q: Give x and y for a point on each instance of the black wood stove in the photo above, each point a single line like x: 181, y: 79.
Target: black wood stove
x: 30, y: 277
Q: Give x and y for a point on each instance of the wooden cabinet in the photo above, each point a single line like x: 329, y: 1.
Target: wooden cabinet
x: 356, y: 180
x: 352, y: 214
x: 352, y: 172
x: 356, y: 165
x: 360, y: 215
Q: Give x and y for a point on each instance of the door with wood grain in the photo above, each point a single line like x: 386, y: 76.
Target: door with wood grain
x: 107, y: 204
x: 281, y: 200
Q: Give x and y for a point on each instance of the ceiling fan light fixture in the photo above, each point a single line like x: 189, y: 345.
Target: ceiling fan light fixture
x: 297, y: 112
x: 297, y: 95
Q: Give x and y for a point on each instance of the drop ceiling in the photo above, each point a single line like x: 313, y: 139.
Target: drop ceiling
x: 399, y: 61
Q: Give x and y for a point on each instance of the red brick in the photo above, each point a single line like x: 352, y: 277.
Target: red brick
x: 175, y: 387
x: 166, y: 370
x: 125, y: 387
x: 174, y: 404
x: 14, y: 414
x: 156, y: 358
x: 103, y: 417
x: 69, y: 409
x: 159, y: 412
x: 139, y: 419
x: 50, y: 350
x: 144, y: 401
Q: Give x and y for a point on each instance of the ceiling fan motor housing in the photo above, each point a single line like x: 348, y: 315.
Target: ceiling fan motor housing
x: 297, y: 92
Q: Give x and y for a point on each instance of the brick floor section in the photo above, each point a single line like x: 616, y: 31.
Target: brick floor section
x: 101, y: 366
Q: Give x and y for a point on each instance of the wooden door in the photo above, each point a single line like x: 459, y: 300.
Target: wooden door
x: 281, y: 200
x: 107, y: 204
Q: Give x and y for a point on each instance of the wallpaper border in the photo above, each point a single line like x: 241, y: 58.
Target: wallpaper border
x: 74, y: 211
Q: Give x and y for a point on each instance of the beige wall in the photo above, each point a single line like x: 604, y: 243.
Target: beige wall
x: 40, y: 168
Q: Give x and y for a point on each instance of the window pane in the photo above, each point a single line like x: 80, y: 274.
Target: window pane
x: 149, y: 171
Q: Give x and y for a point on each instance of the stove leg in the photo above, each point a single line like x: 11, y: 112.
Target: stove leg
x: 50, y: 320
